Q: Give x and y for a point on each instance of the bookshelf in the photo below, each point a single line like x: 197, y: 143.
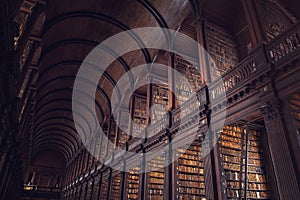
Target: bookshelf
x: 185, y: 90
x: 124, y: 133
x: 104, y: 189
x: 242, y: 161
x: 222, y: 49
x: 156, y: 179
x: 159, y: 102
x: 133, y: 183
x: 139, y: 115
x: 115, y: 187
x: 22, y: 19
x: 190, y: 173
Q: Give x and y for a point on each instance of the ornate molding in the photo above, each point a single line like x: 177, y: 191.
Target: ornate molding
x: 270, y: 110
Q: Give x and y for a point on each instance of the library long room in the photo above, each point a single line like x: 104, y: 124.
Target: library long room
x: 150, y: 100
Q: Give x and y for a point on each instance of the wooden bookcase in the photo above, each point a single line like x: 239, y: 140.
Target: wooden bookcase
x: 156, y: 179
x: 139, y: 115
x: 133, y: 183
x: 115, y: 187
x: 190, y: 173
x: 104, y: 189
x: 191, y: 73
x: 159, y: 98
x: 242, y: 163
x: 222, y: 49
x: 124, y: 132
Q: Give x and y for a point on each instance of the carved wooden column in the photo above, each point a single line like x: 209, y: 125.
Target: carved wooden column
x: 212, y: 172
x: 143, y: 176
x: 286, y: 181
x: 202, y: 54
x: 171, y: 81
x: 169, y: 190
x: 149, y: 98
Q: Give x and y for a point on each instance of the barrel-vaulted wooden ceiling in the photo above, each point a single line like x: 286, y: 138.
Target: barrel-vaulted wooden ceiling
x: 72, y: 28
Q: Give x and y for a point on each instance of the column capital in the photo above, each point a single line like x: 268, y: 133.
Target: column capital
x: 270, y: 110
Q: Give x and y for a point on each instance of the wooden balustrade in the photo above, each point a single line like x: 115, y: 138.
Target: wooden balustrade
x: 233, y: 78
x: 285, y: 44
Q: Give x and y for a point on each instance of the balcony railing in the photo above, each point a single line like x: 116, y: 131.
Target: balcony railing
x: 239, y: 75
x: 285, y: 44
x: 41, y: 189
x: 42, y: 192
